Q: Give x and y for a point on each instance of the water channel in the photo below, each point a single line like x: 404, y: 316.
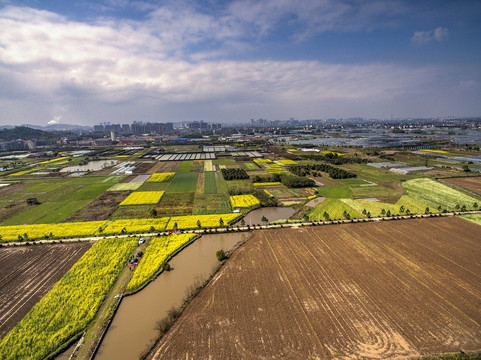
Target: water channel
x: 271, y: 213
x: 133, y: 327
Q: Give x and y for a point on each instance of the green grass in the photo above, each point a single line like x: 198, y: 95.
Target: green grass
x: 239, y: 186
x: 335, y: 208
x: 154, y: 186
x: 475, y: 218
x: 176, y: 204
x: 210, y: 185
x: 220, y: 183
x: 436, y: 194
x: 352, y: 181
x: 376, y: 207
x: 372, y: 192
x: 125, y: 186
x: 249, y: 166
x: 133, y: 211
x: 185, y: 166
x: 335, y: 192
x: 183, y: 182
x: 225, y: 161
x: 211, y: 204
x: 58, y: 201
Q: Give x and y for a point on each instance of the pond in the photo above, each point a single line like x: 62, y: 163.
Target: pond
x: 271, y: 213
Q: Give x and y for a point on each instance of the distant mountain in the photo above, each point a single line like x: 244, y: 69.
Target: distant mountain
x: 27, y: 133
x: 59, y: 127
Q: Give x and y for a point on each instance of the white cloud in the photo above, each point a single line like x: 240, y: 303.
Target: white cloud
x: 423, y: 37
x: 117, y: 69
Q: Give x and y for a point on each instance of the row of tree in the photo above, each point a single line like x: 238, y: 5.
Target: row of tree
x: 334, y: 172
x: 234, y: 174
x: 335, y: 159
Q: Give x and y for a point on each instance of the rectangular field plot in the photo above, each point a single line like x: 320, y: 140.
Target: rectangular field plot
x: 210, y: 186
x: 357, y: 291
x: 29, y: 273
x: 469, y: 183
x: 211, y: 204
x: 176, y: 203
x: 183, y: 182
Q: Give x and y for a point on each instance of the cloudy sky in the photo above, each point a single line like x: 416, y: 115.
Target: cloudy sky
x: 86, y: 62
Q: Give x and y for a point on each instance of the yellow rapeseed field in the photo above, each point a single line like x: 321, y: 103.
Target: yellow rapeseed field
x: 143, y: 197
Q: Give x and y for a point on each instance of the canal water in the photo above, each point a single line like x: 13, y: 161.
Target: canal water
x: 91, y: 166
x: 133, y: 328
x: 271, y: 213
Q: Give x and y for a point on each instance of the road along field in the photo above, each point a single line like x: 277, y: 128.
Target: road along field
x: 370, y: 290
x: 28, y: 273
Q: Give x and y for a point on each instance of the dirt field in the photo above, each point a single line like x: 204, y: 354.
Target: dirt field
x: 469, y: 183
x: 164, y: 166
x: 101, y: 208
x: 369, y: 290
x: 28, y: 273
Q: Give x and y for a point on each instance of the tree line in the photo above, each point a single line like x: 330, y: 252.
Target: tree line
x: 334, y: 172
x: 234, y: 174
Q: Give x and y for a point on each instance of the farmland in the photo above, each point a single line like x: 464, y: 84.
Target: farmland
x: 28, y: 274
x: 436, y: 194
x: 143, y: 197
x: 71, y: 304
x: 469, y: 183
x: 371, y: 290
x: 159, y: 249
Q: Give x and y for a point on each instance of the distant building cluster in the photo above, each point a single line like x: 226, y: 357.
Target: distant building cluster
x: 137, y: 128
x: 201, y: 125
x: 264, y: 122
x: 18, y: 145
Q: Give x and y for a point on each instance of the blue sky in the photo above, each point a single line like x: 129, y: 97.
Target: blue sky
x: 87, y: 62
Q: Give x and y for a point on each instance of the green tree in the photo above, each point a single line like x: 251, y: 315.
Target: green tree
x: 326, y: 216
x: 175, y: 227
x: 243, y: 222
x: 426, y: 211
x: 153, y: 212
x: 199, y: 225
x: 264, y: 219
x: 388, y: 213
x: 401, y: 209
x: 220, y: 254
x: 221, y: 222
x: 383, y: 212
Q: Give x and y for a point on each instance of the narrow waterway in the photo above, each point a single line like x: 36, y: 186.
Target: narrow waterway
x: 133, y: 327
x: 271, y: 214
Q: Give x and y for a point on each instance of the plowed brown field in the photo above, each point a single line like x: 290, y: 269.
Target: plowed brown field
x: 469, y: 183
x: 370, y: 290
x: 28, y: 273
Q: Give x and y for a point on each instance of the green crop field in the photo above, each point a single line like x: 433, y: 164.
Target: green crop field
x: 335, y: 192
x: 436, y: 195
x: 186, y: 166
x: 375, y: 207
x: 335, y: 208
x: 475, y: 218
x: 71, y: 304
x: 58, y: 200
x: 183, y: 182
x: 352, y: 181
x: 211, y: 204
x: 225, y: 161
x: 176, y: 203
x: 125, y: 186
x: 210, y: 185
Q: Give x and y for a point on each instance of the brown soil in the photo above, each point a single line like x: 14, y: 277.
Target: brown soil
x: 164, y: 166
x: 9, y: 210
x: 28, y: 273
x: 369, y: 290
x: 469, y: 183
x: 101, y: 208
x: 143, y: 168
x: 8, y: 190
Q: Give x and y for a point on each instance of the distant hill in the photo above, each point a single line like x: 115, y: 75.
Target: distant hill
x: 27, y: 133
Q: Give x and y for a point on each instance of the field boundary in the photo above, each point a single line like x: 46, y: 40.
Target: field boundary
x: 248, y: 228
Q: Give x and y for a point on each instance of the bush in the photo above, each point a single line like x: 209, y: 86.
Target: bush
x: 220, y: 254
